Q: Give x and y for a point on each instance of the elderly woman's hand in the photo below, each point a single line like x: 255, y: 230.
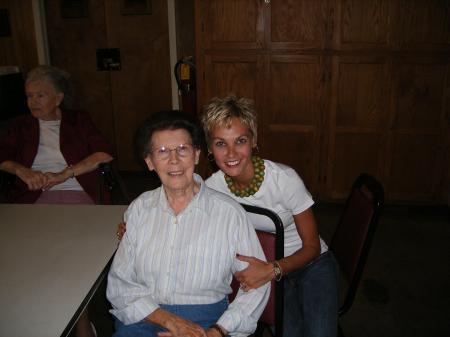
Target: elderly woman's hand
x: 184, y: 328
x: 54, y: 179
x: 35, y: 180
x: 175, y: 325
x: 256, y: 274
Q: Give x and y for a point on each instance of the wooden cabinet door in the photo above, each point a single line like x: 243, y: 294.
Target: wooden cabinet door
x: 236, y: 74
x: 229, y: 24
x: 417, y: 138
x: 357, y: 122
x: 297, y: 24
x: 364, y: 24
x: 423, y: 25
x: 291, y: 116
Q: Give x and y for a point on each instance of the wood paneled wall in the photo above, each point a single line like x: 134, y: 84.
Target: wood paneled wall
x: 340, y: 86
x: 19, y: 49
x: 118, y: 101
x: 184, y: 13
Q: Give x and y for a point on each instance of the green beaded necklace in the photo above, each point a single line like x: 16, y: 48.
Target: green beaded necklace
x: 255, y: 183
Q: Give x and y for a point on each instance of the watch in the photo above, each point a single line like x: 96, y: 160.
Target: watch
x: 277, y: 270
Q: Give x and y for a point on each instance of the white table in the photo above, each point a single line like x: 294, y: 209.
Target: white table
x: 51, y: 261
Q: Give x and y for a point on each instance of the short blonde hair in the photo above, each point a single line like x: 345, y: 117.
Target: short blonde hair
x: 220, y: 111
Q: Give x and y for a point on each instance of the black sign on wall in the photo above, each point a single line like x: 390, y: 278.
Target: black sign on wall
x: 108, y: 59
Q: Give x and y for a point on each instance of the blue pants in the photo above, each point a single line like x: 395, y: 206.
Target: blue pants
x: 203, y: 314
x: 311, y: 299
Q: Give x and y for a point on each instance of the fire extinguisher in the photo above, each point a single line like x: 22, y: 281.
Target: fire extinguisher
x: 185, y: 76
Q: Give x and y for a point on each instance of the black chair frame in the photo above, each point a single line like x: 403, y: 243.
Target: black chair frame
x: 372, y: 192
x: 279, y: 254
x: 111, y: 179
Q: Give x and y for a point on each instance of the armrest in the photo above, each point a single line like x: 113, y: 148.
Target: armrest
x: 114, y: 183
x: 106, y: 172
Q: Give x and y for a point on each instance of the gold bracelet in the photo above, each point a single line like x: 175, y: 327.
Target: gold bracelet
x: 219, y: 329
x: 277, y: 270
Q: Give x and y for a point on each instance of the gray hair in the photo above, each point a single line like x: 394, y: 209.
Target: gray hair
x: 58, y: 78
x: 220, y: 111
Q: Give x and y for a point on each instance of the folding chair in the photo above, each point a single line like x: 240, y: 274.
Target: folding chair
x: 273, y: 247
x: 352, y: 239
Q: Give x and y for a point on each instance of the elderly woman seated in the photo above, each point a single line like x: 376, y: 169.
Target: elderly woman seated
x: 172, y: 271
x: 52, y: 152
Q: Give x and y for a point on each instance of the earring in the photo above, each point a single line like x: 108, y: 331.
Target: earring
x: 210, y: 156
x: 255, y: 150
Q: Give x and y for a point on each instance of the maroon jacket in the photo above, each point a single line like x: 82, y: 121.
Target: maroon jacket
x: 79, y: 138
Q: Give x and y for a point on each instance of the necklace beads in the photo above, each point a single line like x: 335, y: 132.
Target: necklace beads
x: 255, y: 183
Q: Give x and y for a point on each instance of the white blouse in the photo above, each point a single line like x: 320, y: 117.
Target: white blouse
x: 49, y: 157
x: 187, y: 258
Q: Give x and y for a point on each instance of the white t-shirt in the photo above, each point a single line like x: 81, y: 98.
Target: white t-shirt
x: 49, y: 157
x: 283, y: 192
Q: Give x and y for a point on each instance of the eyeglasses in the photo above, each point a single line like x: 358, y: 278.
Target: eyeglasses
x: 182, y: 150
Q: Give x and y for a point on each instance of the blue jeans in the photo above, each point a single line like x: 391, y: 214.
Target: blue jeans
x: 203, y: 314
x: 311, y: 299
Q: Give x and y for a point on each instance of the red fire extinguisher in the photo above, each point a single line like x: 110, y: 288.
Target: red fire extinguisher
x: 185, y: 76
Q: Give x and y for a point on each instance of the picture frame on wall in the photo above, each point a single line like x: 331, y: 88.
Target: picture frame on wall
x: 135, y: 7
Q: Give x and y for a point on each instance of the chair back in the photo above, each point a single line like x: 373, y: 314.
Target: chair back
x: 273, y: 247
x: 352, y: 239
x: 112, y: 183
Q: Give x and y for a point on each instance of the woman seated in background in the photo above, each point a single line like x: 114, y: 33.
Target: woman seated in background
x: 53, y: 152
x: 172, y: 271
x: 309, y: 270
